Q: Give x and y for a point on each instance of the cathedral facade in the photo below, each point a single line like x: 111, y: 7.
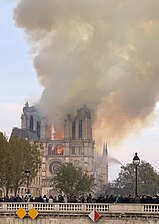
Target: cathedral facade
x: 77, y: 146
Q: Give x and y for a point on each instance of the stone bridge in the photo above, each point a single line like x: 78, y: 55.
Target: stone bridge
x: 77, y: 213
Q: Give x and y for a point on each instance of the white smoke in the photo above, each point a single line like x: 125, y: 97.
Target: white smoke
x: 102, y: 53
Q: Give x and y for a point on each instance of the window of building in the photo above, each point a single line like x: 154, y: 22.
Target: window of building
x: 80, y: 129
x: 31, y: 123
x: 55, y: 150
x: 73, y: 152
x: 73, y: 130
x: 58, y: 150
x: 80, y: 150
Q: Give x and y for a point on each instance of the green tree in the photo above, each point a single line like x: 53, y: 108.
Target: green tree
x: 148, y: 179
x: 17, y: 155
x: 72, y: 181
x: 24, y: 156
x: 4, y: 147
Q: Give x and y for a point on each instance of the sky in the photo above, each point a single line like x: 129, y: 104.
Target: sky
x: 18, y: 80
x: 19, y: 84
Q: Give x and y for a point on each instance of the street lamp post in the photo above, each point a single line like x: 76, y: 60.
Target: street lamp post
x: 27, y: 171
x: 136, y: 162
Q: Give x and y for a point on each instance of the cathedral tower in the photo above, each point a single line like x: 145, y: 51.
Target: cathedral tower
x: 32, y: 120
x: 79, y: 145
x: 78, y: 127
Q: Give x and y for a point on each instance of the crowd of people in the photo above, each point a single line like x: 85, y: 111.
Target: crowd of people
x: 82, y: 199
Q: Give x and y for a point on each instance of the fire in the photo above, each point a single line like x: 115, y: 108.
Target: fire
x: 59, y: 150
x: 57, y: 134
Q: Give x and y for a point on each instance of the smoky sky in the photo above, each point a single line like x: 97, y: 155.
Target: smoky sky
x: 99, y: 53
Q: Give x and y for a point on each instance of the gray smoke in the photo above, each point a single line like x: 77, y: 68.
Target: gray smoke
x: 100, y: 53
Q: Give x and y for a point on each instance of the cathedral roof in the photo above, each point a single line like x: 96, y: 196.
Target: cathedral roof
x: 24, y: 134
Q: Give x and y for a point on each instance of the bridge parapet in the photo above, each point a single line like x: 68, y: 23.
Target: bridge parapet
x: 80, y: 208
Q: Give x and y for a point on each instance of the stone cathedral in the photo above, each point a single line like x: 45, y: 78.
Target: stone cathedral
x: 77, y: 146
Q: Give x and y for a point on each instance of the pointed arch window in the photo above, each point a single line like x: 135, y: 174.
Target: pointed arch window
x: 31, y: 123
x: 73, y: 130
x: 80, y: 129
x: 58, y: 150
x: 55, y: 150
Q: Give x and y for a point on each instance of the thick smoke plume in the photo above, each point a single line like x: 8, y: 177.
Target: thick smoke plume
x: 99, y: 53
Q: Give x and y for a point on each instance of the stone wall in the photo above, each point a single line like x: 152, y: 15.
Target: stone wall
x: 78, y: 220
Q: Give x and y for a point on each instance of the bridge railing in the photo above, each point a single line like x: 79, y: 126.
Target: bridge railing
x: 153, y: 208
x: 80, y: 207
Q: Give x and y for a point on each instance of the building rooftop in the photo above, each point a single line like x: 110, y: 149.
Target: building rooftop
x: 24, y: 134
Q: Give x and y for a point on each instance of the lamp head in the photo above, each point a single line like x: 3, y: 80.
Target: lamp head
x: 136, y: 160
x: 27, y: 171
